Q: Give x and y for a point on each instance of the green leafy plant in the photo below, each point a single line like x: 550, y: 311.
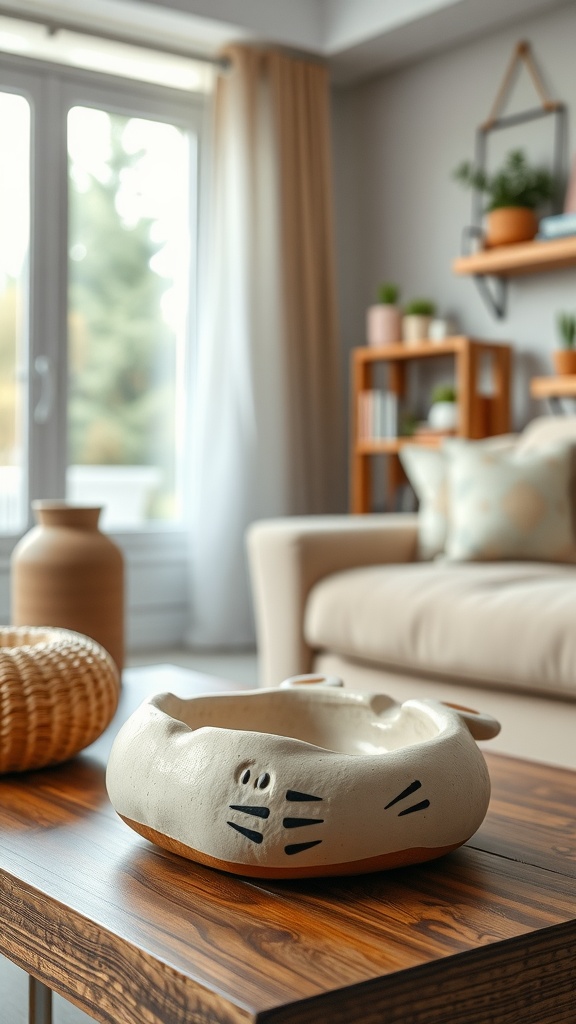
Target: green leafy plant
x: 567, y: 329
x: 408, y: 424
x: 515, y: 184
x: 388, y: 294
x: 444, y: 393
x: 420, y: 307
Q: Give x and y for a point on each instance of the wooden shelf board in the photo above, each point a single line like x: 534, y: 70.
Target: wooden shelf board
x: 553, y: 387
x: 526, y: 258
x: 392, y: 445
x: 424, y: 349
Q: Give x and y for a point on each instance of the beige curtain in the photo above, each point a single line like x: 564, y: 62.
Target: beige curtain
x: 300, y: 101
x: 268, y: 418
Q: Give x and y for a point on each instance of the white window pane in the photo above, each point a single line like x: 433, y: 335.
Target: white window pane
x: 14, y: 248
x: 129, y: 245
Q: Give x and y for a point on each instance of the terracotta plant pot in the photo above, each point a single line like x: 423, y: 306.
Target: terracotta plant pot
x: 564, y: 361
x: 66, y: 573
x: 383, y: 325
x: 510, y: 225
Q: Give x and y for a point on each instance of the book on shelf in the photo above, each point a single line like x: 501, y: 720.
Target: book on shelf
x: 558, y: 226
x: 377, y: 414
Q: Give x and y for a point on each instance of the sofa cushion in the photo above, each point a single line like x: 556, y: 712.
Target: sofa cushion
x: 506, y: 504
x: 508, y: 624
x: 427, y: 470
x: 545, y: 430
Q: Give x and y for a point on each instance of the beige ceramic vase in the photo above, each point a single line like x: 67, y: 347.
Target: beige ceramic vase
x: 66, y: 573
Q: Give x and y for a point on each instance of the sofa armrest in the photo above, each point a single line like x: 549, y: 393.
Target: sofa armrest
x: 288, y: 556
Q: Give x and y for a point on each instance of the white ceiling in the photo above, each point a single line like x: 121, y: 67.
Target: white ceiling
x: 359, y: 38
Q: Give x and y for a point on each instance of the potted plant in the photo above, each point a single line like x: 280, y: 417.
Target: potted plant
x: 416, y: 320
x: 514, y: 193
x: 443, y: 413
x: 565, y: 357
x: 384, y: 320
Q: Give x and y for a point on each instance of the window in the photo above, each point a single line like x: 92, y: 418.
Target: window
x: 128, y: 287
x: 98, y: 201
x: 14, y: 253
x: 97, y: 258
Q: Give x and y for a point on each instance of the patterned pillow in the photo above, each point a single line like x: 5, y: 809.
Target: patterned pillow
x: 511, y: 505
x: 427, y: 471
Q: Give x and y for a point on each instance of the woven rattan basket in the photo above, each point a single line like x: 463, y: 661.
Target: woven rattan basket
x: 58, y: 692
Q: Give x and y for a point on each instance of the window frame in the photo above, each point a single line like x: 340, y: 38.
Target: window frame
x: 52, y: 90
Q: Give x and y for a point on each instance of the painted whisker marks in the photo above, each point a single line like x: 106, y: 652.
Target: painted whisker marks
x: 254, y: 837
x: 300, y: 847
x: 294, y: 795
x: 412, y: 788
x: 257, y: 812
x: 301, y: 822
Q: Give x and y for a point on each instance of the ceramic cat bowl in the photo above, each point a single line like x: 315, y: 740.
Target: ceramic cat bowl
x: 303, y: 780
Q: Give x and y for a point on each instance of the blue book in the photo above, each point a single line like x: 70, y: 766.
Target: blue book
x: 558, y: 225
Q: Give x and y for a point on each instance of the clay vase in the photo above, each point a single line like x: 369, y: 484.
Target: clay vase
x: 66, y: 573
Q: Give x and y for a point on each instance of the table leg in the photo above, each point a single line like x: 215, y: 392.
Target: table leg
x: 39, y: 1002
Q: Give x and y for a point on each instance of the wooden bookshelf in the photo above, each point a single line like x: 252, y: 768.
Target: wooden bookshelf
x: 526, y: 258
x: 479, y: 415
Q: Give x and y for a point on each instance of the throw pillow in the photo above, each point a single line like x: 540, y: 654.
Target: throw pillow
x: 427, y: 471
x: 508, y: 505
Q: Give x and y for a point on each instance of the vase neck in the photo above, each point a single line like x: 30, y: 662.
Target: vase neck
x: 58, y: 513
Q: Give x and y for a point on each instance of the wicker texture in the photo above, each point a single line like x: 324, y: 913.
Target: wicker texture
x: 58, y: 692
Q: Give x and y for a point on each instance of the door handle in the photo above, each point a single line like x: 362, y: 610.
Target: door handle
x: 43, y: 407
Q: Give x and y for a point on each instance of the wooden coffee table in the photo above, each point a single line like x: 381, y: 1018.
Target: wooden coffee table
x: 135, y: 935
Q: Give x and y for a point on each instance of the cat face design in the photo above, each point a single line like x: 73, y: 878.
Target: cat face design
x: 265, y: 810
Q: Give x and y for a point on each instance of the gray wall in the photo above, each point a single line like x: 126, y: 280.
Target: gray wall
x: 400, y: 215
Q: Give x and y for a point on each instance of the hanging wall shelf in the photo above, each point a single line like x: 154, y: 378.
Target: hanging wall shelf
x: 491, y: 268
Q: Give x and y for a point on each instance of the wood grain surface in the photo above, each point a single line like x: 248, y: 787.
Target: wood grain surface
x: 135, y: 935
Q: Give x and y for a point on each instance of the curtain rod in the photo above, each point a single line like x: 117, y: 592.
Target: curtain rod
x: 55, y: 25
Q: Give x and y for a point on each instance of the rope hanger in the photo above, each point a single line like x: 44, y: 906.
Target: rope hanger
x: 522, y: 53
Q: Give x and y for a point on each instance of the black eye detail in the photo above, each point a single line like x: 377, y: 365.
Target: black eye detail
x: 263, y: 780
x: 245, y: 777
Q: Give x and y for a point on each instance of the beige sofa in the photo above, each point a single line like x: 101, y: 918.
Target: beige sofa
x: 347, y: 595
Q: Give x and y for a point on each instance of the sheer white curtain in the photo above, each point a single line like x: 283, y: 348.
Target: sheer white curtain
x: 267, y: 339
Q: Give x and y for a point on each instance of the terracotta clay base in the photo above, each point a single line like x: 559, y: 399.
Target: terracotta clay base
x: 400, y: 858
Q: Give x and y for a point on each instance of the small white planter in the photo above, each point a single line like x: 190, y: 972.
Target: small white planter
x: 383, y: 325
x: 440, y: 329
x: 443, y: 416
x: 415, y: 329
